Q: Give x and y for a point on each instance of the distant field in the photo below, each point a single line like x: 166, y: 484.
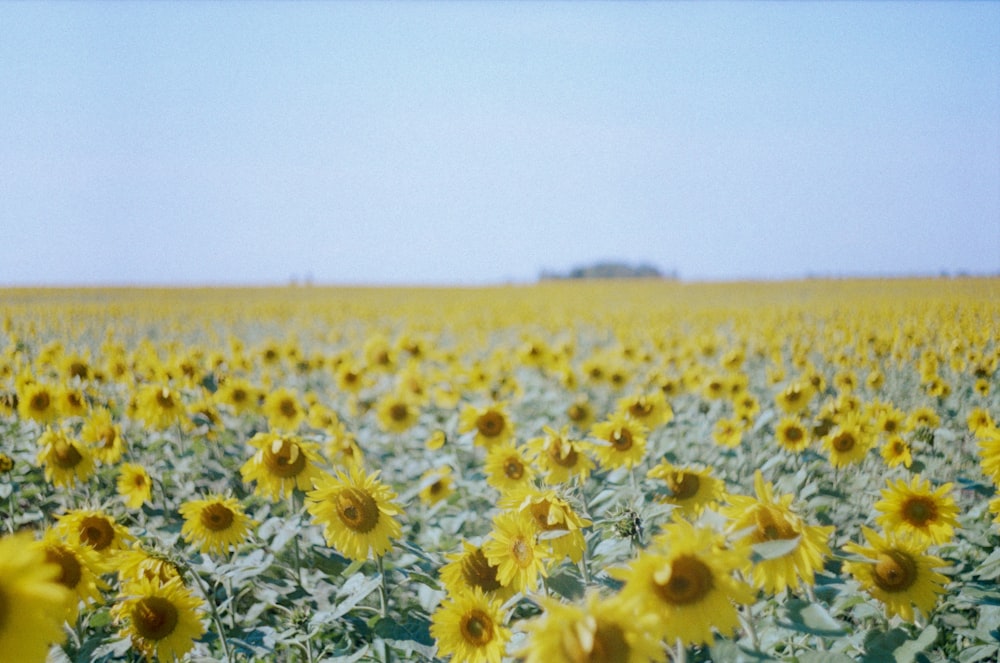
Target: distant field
x: 570, y: 471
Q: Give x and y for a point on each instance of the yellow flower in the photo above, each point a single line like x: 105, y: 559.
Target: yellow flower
x: 792, y: 435
x: 554, y: 520
x: 651, y: 410
x: 32, y: 600
x: 96, y: 529
x: 397, y: 413
x: 160, y: 406
x: 914, y: 509
x: 689, y: 489
x: 896, y: 451
x: 599, y: 631
x: 559, y: 457
x: 621, y: 442
x: 281, y: 464
x: 848, y: 443
x: 923, y: 417
x: 898, y: 573
x: 238, y: 394
x: 436, y: 484
x: 469, y: 569
x: 103, y: 436
x: 581, y: 413
x: 357, y: 513
x: 728, y: 432
x: 514, y: 550
x: 135, y: 564
x: 283, y: 410
x: 492, y: 424
x: 38, y: 402
x: 989, y: 452
x: 214, y: 523
x: 469, y: 627
x: 66, y: 461
x: 768, y: 518
x: 163, y: 620
x: 687, y: 582
x: 134, y: 485
x: 71, y: 401
x: 795, y: 397
x: 79, y: 568
x: 979, y: 421
x: 507, y: 469
x: 436, y: 441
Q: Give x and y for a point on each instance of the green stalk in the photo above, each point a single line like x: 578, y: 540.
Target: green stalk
x: 216, y: 618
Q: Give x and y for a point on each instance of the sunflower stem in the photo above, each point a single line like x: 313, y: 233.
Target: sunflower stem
x: 384, y: 587
x: 680, y: 654
x: 746, y: 616
x: 216, y: 618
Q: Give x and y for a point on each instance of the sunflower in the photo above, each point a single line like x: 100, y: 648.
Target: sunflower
x: 134, y: 485
x: 689, y: 489
x: 581, y: 413
x: 559, y: 457
x: 32, y: 600
x: 37, y: 402
x: 555, y: 521
x: 96, y: 529
x: 507, y: 469
x: 469, y: 569
x: 795, y: 397
x: 436, y: 484
x: 214, y: 523
x: 492, y: 425
x: 915, y: 509
x: 397, y: 413
x: 848, y: 443
x: 622, y: 441
x: 79, y: 570
x: 342, y: 448
x: 792, y: 435
x: 896, y: 451
x: 989, y: 452
x: 160, y: 406
x: 437, y: 440
x: 357, y: 513
x: 898, y: 572
x: 70, y: 401
x: 6, y: 463
x: 923, y: 417
x: 728, y: 432
x: 687, y: 581
x: 513, y: 548
x: 163, y: 620
x: 598, y: 631
x: 283, y: 410
x: 238, y: 395
x: 469, y: 627
x: 768, y: 518
x: 103, y: 436
x: 979, y: 420
x: 282, y: 464
x: 135, y: 564
x: 66, y: 460
x: 651, y: 410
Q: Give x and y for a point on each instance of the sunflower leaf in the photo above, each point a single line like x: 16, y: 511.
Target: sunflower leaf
x: 773, y: 549
x: 812, y: 618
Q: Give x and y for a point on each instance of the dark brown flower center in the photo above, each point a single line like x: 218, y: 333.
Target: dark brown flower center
x: 772, y: 526
x: 288, y: 408
x: 600, y: 643
x: 522, y: 553
x: 640, y: 408
x: 491, y: 423
x: 793, y: 434
x: 563, y: 454
x: 154, y: 617
x: 513, y: 468
x: 165, y: 399
x: 895, y: 571
x: 216, y: 517
x: 843, y: 442
x: 477, y: 628
x: 918, y: 511
x: 40, y: 401
x: 689, y: 582
x: 398, y: 411
x: 621, y: 439
x: 284, y: 459
x: 67, y: 456
x: 477, y: 572
x: 357, y: 509
x: 683, y: 485
x: 96, y: 532
x: 70, y: 570
x: 577, y: 412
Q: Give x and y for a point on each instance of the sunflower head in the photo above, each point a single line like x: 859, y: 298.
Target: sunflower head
x: 357, y: 512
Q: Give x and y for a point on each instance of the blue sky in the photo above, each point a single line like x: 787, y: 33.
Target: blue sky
x: 478, y: 142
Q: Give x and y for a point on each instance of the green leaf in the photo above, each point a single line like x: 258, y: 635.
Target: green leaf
x: 412, y: 635
x: 354, y: 591
x: 881, y: 645
x: 100, y: 618
x: 978, y: 653
x: 724, y: 651
x: 423, y: 579
x: 990, y: 568
x: 811, y: 618
x: 907, y: 652
x: 566, y: 585
x: 824, y: 657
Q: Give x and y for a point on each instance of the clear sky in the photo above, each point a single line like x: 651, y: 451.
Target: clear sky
x: 479, y: 142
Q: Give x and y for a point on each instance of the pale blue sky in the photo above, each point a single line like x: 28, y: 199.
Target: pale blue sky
x: 475, y: 142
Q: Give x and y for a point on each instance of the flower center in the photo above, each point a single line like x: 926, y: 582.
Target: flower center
x: 490, y: 424
x: 577, y: 412
x: 165, y: 399
x: 918, y: 511
x: 590, y: 641
x: 522, y: 553
x: 895, y: 571
x: 513, y: 468
x: 793, y: 434
x: 773, y: 526
x: 40, y: 401
x: 357, y: 509
x: 477, y: 628
x: 96, y: 532
x: 288, y: 408
x: 66, y: 455
x: 398, y: 412
x: 621, y: 439
x: 238, y: 395
x: 843, y: 442
x: 70, y: 571
x: 108, y: 436
x: 477, y: 572
x: 640, y: 408
x: 683, y: 485
x: 284, y: 458
x: 154, y: 617
x: 563, y: 454
x: 689, y: 581
x: 216, y: 517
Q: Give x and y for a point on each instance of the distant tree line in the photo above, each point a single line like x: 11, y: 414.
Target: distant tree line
x: 609, y: 270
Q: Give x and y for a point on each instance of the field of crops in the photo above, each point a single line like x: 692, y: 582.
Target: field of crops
x: 570, y: 471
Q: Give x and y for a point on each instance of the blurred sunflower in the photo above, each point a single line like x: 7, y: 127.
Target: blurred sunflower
x: 37, y: 402
x: 96, y: 529
x: 896, y: 451
x: 215, y: 523
x: 513, y: 548
x: 621, y: 441
x: 70, y: 401
x: 160, y: 407
x: 581, y: 413
x: 559, y: 457
x: 469, y: 569
x: 357, y: 513
x: 103, y: 435
x: 135, y: 564
x: 923, y: 417
x: 898, y: 572
x: 134, y: 485
x: 397, y: 412
x: 66, y: 461
x: 283, y: 410
x: 795, y: 397
x: 281, y: 464
x: 649, y: 409
x: 979, y: 421
x: 728, y: 432
x: 555, y: 521
x: 687, y: 581
x: 469, y: 627
x: 792, y: 435
x: 507, y: 469
x: 848, y: 443
x: 989, y: 452
x: 32, y: 600
x: 915, y: 509
x: 598, y: 631
x: 238, y: 395
x: 163, y: 620
x: 689, y: 489
x: 491, y: 424
x: 768, y: 518
x: 79, y: 571
x: 436, y: 484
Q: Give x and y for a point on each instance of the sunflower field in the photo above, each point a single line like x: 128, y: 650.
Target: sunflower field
x: 627, y: 471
